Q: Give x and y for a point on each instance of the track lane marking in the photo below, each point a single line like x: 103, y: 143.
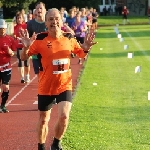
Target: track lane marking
x: 22, y: 89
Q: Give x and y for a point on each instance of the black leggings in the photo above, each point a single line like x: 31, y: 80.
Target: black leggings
x: 20, y: 62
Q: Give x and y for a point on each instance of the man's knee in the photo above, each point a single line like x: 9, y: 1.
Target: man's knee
x: 63, y: 118
x: 44, y: 119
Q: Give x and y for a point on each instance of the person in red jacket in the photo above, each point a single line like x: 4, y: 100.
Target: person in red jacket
x: 7, y: 46
x: 23, y: 66
x: 125, y: 13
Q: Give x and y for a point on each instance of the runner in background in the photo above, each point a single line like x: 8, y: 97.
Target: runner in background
x: 24, y: 15
x: 94, y: 19
x: 71, y: 17
x: 29, y: 17
x: 23, y: 66
x: 7, y: 46
x: 125, y: 13
x: 148, y: 12
x: 14, y: 18
x: 69, y: 20
x: 81, y: 16
x: 37, y: 25
x: 34, y: 13
x: 80, y: 29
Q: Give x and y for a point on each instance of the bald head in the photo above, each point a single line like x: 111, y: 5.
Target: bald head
x: 53, y: 20
x: 52, y: 12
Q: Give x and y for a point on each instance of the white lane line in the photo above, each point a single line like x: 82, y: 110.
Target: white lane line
x: 138, y: 45
x: 14, y: 63
x: 15, y: 104
x: 36, y: 102
x: 20, y: 91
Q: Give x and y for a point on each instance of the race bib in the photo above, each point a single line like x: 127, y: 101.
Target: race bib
x: 60, y: 66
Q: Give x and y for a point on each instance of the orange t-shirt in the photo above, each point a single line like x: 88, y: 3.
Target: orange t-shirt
x: 55, y: 74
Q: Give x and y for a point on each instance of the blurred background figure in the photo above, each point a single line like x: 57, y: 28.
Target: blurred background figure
x: 80, y: 29
x: 29, y: 17
x: 23, y: 66
x: 24, y: 15
x: 148, y: 12
x: 125, y: 13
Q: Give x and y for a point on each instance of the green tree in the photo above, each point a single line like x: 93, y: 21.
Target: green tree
x: 10, y: 7
x: 17, y: 3
x: 69, y: 3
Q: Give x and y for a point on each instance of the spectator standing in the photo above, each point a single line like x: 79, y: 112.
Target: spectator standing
x: 105, y: 11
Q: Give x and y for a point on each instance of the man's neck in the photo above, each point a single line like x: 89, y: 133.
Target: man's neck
x: 2, y: 35
x: 40, y: 19
x: 56, y: 35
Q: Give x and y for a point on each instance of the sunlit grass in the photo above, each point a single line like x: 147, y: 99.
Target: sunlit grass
x: 114, y: 114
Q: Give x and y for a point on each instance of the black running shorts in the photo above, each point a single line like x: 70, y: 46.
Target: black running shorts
x: 45, y: 102
x: 5, y: 77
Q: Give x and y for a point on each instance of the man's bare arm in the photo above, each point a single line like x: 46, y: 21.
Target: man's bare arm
x: 24, y: 54
x: 26, y: 41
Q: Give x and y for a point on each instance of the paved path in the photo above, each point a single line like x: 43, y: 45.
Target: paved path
x: 18, y: 127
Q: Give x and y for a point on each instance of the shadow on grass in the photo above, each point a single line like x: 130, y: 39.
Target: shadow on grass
x: 139, y: 33
x: 119, y: 54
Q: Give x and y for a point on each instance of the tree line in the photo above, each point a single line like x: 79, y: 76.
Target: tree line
x: 10, y: 7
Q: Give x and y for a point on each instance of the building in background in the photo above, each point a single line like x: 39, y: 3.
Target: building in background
x: 136, y: 7
x: 107, y: 4
x: 1, y: 13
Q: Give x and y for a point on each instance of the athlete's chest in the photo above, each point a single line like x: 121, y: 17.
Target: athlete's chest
x: 56, y: 48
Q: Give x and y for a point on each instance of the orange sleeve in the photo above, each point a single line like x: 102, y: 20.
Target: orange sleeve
x: 77, y: 49
x: 33, y: 49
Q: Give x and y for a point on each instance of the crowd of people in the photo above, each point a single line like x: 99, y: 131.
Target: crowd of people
x: 66, y: 34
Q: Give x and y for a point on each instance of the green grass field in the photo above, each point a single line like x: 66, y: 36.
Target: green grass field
x: 114, y: 114
x: 111, y: 20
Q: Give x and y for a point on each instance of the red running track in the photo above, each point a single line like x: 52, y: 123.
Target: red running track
x: 18, y: 127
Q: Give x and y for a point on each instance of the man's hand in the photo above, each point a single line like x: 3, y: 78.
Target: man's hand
x: 10, y: 52
x: 24, y: 36
x: 88, y: 41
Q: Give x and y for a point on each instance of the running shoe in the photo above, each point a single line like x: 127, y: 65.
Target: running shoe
x: 55, y: 148
x: 3, y: 109
x: 27, y: 80
x: 22, y: 81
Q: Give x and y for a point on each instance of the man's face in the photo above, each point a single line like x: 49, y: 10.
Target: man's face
x: 2, y: 31
x: 40, y: 10
x: 53, y: 21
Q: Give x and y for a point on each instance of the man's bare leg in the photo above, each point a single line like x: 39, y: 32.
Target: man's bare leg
x: 42, y: 128
x: 64, y: 108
